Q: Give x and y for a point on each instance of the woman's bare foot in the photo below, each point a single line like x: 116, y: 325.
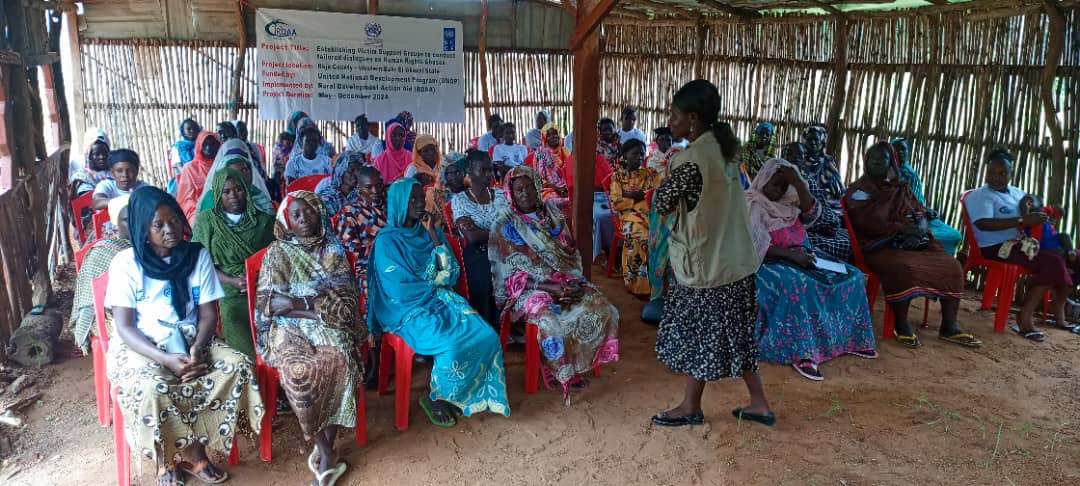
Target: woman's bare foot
x: 166, y: 475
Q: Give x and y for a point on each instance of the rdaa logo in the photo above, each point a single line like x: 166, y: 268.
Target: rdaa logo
x: 279, y: 28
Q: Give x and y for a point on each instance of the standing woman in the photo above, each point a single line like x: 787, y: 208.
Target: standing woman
x: 183, y: 150
x: 628, y: 188
x: 395, y: 158
x: 181, y: 389
x: 233, y: 230
x: 708, y: 327
x: 474, y: 213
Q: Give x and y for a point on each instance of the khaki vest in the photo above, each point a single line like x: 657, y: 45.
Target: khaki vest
x: 711, y: 245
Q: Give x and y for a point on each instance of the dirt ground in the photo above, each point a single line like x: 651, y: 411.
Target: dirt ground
x: 1006, y: 414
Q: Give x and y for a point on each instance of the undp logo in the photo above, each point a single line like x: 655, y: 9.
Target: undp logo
x: 374, y: 33
x: 280, y: 29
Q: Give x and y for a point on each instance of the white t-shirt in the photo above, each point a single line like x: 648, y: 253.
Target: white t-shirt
x: 484, y: 215
x: 633, y: 133
x: 486, y: 141
x: 109, y: 189
x: 510, y: 155
x: 299, y: 166
x: 152, y: 298
x: 986, y: 203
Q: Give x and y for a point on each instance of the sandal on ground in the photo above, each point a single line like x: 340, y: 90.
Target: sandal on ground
x: 1031, y: 334
x: 161, y: 471
x: 865, y: 353
x: 767, y: 418
x: 311, y: 460
x: 665, y: 420
x: 1076, y: 329
x: 1068, y: 326
x: 808, y: 370
x: 425, y: 403
x: 199, y: 471
x: 334, y: 474
x: 961, y: 338
x: 911, y: 341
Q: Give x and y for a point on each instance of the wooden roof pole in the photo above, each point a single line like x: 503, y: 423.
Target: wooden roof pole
x: 482, y: 53
x: 840, y: 77
x: 699, y: 48
x: 586, y: 104
x: 241, y: 60
x: 372, y: 7
x: 1055, y: 45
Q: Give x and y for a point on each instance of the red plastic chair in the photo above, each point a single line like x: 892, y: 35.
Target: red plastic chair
x: 1001, y: 277
x: 101, y: 217
x: 457, y: 246
x: 532, y: 352
x: 102, y: 385
x: 617, y: 236
x: 268, y: 378
x: 78, y: 204
x: 395, y: 349
x: 306, y: 183
x: 80, y: 255
x: 872, y: 282
x: 97, y: 348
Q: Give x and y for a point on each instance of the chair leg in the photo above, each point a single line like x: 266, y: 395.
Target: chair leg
x: 532, y: 358
x: 361, y: 415
x: 123, y: 452
x: 266, y: 432
x: 402, y: 385
x: 1005, y: 297
x: 101, y: 382
x: 1046, y: 308
x: 926, y: 313
x: 888, y: 328
x: 386, y: 360
x: 991, y: 287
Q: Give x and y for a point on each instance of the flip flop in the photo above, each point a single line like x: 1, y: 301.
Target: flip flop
x: 767, y: 419
x: 1032, y: 334
x: 176, y: 473
x: 962, y: 338
x: 425, y: 404
x: 199, y: 471
x: 865, y: 353
x: 334, y: 474
x: 911, y: 341
x: 664, y: 420
x: 314, y: 456
x: 1068, y: 326
x: 808, y: 370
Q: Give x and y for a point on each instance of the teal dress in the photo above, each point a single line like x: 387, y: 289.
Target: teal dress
x: 410, y: 293
x: 948, y: 236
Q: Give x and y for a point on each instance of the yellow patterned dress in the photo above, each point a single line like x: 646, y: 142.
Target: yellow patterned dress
x: 634, y: 225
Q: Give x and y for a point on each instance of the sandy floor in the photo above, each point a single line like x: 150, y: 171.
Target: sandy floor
x: 1004, y: 414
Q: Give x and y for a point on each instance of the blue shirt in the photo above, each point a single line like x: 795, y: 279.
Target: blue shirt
x: 986, y: 203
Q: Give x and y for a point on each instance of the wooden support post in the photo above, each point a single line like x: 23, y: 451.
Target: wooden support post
x: 54, y: 79
x: 1055, y: 46
x: 372, y: 7
x: 78, y: 101
x: 482, y: 53
x: 699, y: 48
x: 840, y: 76
x: 586, y: 113
x: 588, y: 19
x: 241, y: 60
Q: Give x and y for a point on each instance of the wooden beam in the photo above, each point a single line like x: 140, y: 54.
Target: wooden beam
x: 77, y: 111
x: 1055, y: 45
x: 372, y: 7
x: 627, y: 13
x: 586, y: 113
x: 8, y: 56
x: 828, y: 8
x: 728, y: 9
x: 569, y: 7
x: 669, y: 8
x: 42, y: 59
x: 840, y: 76
x: 699, y: 48
x: 513, y: 24
x: 483, y: 60
x: 589, y: 19
x: 241, y: 61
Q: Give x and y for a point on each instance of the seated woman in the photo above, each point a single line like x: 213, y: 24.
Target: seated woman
x: 340, y: 188
x: 411, y: 273
x: 509, y: 153
x: 820, y: 171
x: 124, y: 172
x: 548, y: 162
x: 233, y: 230
x: 658, y: 160
x: 537, y: 272
x: 425, y: 160
x: 163, y: 293
x: 628, y: 188
x: 236, y: 155
x: 308, y: 160
x: 395, y: 157
x: 192, y: 180
x: 806, y: 315
x: 948, y: 236
x: 96, y: 262
x: 454, y: 168
x: 474, y: 212
x: 94, y: 167
x: 907, y: 259
x: 994, y: 212
x: 305, y: 315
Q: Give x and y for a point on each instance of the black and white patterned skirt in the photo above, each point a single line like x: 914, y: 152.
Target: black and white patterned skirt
x: 709, y: 333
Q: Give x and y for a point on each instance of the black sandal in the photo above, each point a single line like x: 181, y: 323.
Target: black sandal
x: 767, y: 418
x: 664, y: 420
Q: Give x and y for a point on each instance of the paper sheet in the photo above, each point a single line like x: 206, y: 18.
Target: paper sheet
x: 830, y: 265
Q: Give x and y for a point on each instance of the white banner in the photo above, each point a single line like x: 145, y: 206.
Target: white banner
x: 335, y: 66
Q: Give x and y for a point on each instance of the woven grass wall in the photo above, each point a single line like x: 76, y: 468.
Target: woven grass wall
x: 955, y: 86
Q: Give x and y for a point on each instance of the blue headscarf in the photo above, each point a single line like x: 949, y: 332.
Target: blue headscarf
x: 401, y: 259
x: 765, y: 124
x: 185, y: 146
x: 907, y: 171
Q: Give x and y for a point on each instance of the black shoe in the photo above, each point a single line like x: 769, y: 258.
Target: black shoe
x: 767, y: 418
x: 662, y: 419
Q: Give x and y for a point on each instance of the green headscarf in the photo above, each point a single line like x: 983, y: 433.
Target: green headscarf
x: 230, y: 245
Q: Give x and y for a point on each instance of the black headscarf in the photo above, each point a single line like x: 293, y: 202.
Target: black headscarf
x: 141, y: 209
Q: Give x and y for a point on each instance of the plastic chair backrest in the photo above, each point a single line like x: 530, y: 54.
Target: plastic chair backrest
x: 99, y: 285
x: 101, y: 217
x: 77, y: 205
x: 974, y: 255
x: 81, y: 255
x: 306, y: 183
x: 251, y: 275
x: 856, y: 250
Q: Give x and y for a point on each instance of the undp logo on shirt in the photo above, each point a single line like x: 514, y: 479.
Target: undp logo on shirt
x: 280, y: 29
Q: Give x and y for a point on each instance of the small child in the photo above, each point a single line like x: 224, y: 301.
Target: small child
x: 282, y: 149
x: 1047, y: 235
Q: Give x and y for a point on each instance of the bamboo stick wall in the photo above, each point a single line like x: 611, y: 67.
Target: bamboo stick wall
x: 953, y: 86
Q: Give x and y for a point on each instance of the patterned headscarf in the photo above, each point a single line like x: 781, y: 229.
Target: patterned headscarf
x: 418, y: 161
x: 87, y: 174
x: 236, y: 150
x: 821, y: 166
x: 293, y: 119
x: 283, y: 227
x: 560, y: 154
x: 767, y: 215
